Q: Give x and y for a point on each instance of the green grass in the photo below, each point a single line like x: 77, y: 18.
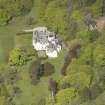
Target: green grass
x: 9, y: 40
x: 30, y: 93
x: 6, y: 42
x: 7, y: 34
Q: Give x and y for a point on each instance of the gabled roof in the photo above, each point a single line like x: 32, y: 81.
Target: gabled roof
x: 47, y: 38
x: 42, y: 34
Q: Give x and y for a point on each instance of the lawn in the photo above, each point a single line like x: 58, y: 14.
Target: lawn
x: 7, y: 34
x: 31, y: 93
x: 8, y: 40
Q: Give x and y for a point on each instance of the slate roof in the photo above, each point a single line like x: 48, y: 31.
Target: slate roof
x: 42, y: 36
x: 93, y: 23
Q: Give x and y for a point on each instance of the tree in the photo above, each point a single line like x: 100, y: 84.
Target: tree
x: 72, y: 53
x: 49, y: 101
x: 85, y: 94
x: 18, y: 57
x: 88, y: 37
x: 99, y: 55
x: 79, y: 80
x: 53, y: 88
x: 67, y: 96
x: 13, y: 76
x: 69, y: 5
x: 72, y: 27
x: 16, y: 91
x: 64, y: 83
x: 12, y: 8
x: 78, y: 75
x: 95, y: 91
x: 4, y: 17
x: 48, y: 69
x: 34, y: 72
x: 2, y: 80
x: 55, y: 17
x: 103, y: 8
x: 86, y: 2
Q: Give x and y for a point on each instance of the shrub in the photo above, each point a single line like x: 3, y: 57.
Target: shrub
x: 34, y: 72
x: 48, y: 69
x: 37, y: 70
x: 4, y: 17
x: 18, y: 57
